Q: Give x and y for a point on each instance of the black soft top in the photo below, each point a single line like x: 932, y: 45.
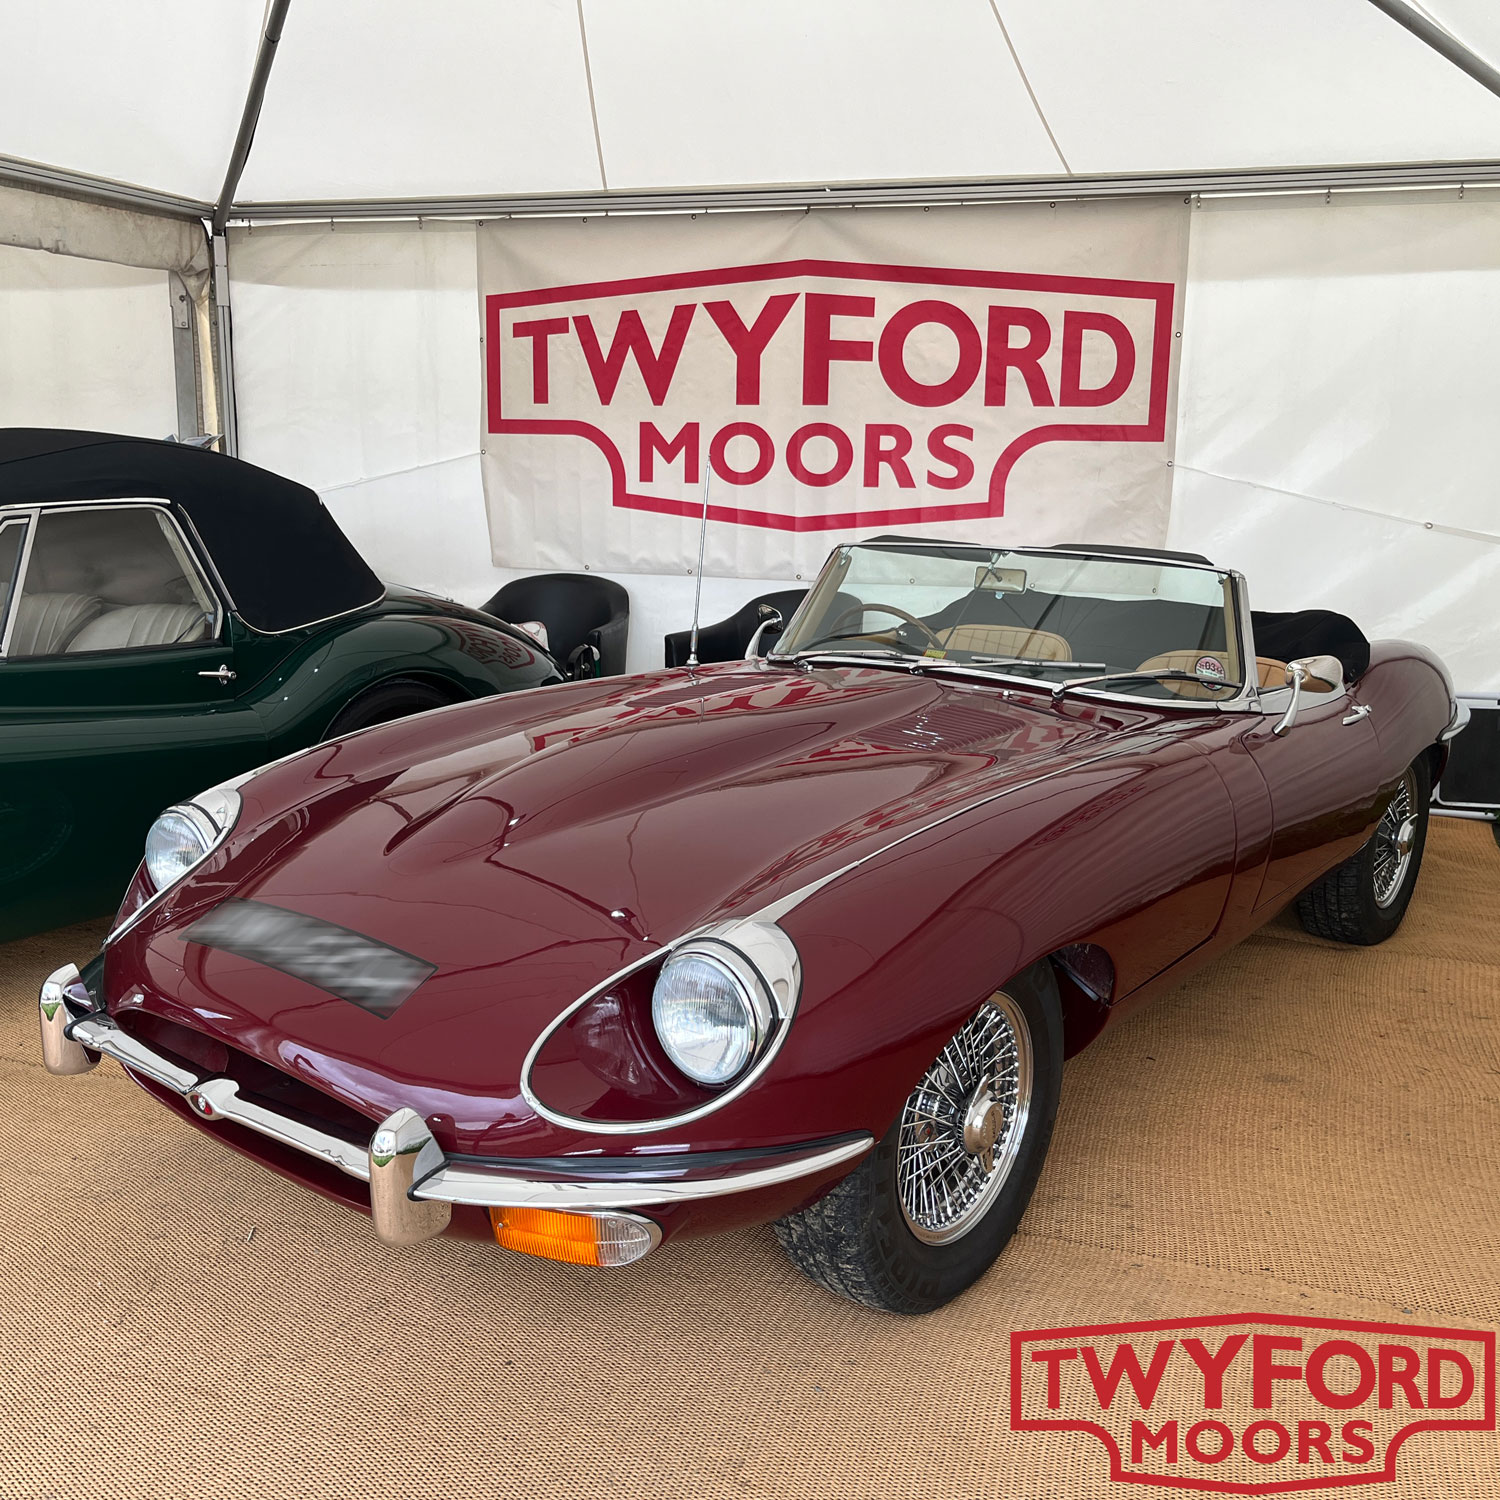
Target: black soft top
x: 277, y: 550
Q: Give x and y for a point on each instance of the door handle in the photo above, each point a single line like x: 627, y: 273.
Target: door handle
x: 224, y: 675
x: 1360, y: 711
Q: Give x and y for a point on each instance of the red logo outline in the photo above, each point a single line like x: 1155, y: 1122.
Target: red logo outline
x: 1152, y: 430
x: 1120, y: 1475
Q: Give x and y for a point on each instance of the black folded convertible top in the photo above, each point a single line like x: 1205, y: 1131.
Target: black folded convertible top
x: 277, y: 550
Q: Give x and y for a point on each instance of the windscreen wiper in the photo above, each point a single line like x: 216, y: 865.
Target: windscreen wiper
x: 1031, y: 661
x: 908, y: 661
x: 1172, y: 676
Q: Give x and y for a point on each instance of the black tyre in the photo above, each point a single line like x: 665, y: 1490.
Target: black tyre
x: 1364, y: 899
x: 384, y: 702
x: 926, y: 1213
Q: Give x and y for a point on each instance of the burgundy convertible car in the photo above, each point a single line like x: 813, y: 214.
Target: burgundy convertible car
x: 802, y: 939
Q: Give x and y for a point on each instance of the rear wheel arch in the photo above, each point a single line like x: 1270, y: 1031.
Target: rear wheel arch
x: 381, y: 701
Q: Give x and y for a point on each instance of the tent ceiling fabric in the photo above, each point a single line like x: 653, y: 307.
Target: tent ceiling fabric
x: 142, y: 94
x: 403, y: 100
x: 1179, y: 85
x: 382, y: 99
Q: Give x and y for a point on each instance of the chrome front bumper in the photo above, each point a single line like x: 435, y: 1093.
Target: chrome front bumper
x: 413, y: 1184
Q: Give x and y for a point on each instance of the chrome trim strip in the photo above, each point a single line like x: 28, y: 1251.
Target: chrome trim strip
x: 747, y: 936
x: 98, y: 1033
x: 219, y: 1099
x: 18, y: 582
x: 413, y: 1185
x: 156, y: 897
x: 501, y: 1190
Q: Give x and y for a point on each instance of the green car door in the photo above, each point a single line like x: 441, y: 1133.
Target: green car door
x: 120, y: 692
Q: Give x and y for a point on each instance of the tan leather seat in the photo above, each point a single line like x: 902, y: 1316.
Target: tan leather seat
x: 135, y: 625
x: 1269, y: 672
x: 45, y: 623
x: 1186, y: 661
x: 1006, y: 640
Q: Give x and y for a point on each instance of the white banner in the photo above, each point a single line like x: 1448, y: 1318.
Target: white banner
x: 1004, y: 374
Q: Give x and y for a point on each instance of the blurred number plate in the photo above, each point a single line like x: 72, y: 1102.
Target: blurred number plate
x: 344, y: 963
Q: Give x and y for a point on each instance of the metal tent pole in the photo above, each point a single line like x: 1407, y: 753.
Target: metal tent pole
x: 1441, y: 41
x: 255, y: 96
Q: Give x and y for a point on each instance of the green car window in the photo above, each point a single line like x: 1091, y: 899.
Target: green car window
x: 109, y: 578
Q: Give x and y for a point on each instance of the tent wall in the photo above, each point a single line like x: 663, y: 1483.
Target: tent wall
x: 104, y: 314
x: 86, y: 344
x: 1336, y: 438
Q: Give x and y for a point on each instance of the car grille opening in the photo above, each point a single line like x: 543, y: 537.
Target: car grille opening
x: 259, y: 1082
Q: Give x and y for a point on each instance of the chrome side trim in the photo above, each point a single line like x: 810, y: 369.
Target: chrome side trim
x: 413, y: 1186
x: 496, y: 1189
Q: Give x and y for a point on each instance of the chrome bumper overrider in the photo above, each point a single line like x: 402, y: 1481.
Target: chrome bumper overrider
x: 413, y: 1184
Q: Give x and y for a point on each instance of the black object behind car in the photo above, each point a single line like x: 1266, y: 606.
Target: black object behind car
x: 587, y: 618
x: 727, y: 640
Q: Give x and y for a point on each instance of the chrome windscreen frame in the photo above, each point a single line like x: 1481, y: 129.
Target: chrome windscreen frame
x: 1246, y: 700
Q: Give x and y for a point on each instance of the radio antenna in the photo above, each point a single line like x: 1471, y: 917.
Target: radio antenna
x: 692, y: 660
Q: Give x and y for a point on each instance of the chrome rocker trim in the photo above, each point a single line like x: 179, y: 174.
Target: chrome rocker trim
x: 413, y: 1185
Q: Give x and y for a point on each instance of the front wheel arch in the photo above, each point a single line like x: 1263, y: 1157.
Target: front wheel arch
x: 857, y: 1239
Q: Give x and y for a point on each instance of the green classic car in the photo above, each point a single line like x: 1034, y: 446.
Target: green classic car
x: 171, y: 617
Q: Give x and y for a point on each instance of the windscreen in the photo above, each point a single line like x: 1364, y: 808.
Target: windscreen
x: 1037, y: 615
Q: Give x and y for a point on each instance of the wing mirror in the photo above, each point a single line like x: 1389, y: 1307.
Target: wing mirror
x: 770, y: 619
x: 1310, y: 674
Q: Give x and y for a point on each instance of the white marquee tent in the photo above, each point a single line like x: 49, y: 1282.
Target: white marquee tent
x: 1336, y: 160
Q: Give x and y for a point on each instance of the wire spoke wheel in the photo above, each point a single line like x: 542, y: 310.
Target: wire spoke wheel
x: 964, y: 1122
x: 1395, y: 836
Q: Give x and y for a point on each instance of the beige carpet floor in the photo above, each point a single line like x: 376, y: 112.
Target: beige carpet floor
x: 1301, y: 1129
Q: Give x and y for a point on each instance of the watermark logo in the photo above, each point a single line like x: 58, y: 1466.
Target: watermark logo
x: 829, y: 394
x: 1252, y: 1404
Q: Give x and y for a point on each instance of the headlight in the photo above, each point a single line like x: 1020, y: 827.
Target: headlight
x: 187, y: 834
x: 712, y: 1012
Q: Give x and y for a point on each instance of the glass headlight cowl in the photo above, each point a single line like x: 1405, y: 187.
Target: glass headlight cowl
x: 711, y: 1014
x: 185, y: 835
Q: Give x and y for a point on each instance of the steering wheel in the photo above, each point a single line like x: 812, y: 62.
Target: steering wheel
x: 859, y: 611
